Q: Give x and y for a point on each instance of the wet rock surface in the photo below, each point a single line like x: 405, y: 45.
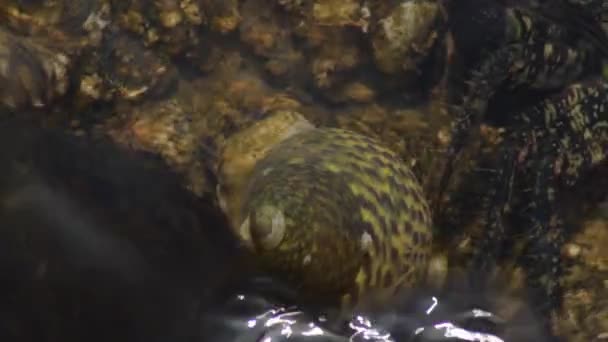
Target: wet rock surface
x: 129, y: 104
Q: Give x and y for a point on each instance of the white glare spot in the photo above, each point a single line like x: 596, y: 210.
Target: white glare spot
x: 433, y: 306
x: 314, y: 331
x: 363, y: 330
x: 480, y: 313
x: 286, y: 331
x: 251, y: 323
x: 307, y: 259
x: 454, y: 331
x: 282, y: 319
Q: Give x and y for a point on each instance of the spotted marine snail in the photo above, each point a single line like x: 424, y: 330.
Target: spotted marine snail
x: 329, y: 211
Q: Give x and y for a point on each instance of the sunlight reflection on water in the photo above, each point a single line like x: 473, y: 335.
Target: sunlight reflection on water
x: 251, y: 318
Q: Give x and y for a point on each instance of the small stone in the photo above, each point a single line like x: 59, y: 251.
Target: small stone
x: 572, y: 250
x: 170, y: 19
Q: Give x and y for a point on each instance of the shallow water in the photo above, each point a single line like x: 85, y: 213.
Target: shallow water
x: 59, y: 246
x: 103, y: 243
x: 248, y: 318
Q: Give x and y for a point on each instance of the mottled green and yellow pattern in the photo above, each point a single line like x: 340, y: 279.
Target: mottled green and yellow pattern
x: 533, y: 52
x: 337, y: 215
x: 578, y: 120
